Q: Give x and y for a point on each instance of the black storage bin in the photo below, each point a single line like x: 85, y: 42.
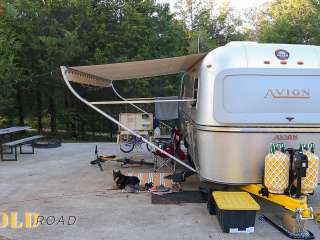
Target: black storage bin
x: 237, y: 220
x: 236, y: 211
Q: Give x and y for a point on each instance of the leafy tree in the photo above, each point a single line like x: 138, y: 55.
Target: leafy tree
x: 9, y: 68
x: 209, y: 25
x: 39, y: 36
x: 218, y: 26
x: 290, y: 21
x: 187, y: 11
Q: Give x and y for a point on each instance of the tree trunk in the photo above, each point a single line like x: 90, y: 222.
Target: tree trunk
x: 52, y: 110
x: 111, y: 134
x: 66, y: 119
x: 92, y: 126
x: 39, y: 109
x: 20, y: 104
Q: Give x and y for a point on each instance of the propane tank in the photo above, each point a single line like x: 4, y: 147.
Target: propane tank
x: 309, y: 183
x: 276, y: 169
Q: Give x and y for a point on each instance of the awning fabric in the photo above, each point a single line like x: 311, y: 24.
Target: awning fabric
x: 102, y: 75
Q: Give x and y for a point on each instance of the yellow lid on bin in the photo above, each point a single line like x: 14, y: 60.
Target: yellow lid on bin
x: 235, y: 201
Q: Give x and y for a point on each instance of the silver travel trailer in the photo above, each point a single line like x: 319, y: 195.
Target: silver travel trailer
x: 250, y: 95
x: 235, y: 101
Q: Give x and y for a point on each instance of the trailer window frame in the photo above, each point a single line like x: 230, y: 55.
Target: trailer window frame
x: 279, y: 118
x: 195, y: 87
x: 187, y: 86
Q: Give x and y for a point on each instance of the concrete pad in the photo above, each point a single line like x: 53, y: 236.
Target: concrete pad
x: 60, y: 182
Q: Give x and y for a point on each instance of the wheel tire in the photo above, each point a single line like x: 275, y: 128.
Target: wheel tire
x: 128, y: 149
x: 211, y: 205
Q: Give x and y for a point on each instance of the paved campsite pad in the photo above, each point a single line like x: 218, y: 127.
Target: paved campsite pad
x: 62, y: 182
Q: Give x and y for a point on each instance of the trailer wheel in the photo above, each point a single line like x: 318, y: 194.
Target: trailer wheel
x: 211, y: 205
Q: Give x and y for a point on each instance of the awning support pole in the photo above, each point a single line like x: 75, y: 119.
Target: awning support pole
x: 64, y: 71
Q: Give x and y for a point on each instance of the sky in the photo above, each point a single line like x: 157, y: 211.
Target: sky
x: 239, y: 5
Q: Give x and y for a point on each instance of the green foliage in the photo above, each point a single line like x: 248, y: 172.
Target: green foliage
x: 291, y: 21
x: 218, y: 29
x: 209, y: 25
x: 9, y: 68
x: 38, y: 36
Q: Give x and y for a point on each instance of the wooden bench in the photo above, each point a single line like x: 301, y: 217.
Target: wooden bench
x: 18, y: 143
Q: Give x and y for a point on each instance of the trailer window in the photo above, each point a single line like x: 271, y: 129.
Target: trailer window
x: 187, y: 87
x: 254, y: 94
x: 195, y: 88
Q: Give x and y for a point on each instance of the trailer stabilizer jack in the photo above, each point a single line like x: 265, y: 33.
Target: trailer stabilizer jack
x: 293, y: 204
x: 307, y: 235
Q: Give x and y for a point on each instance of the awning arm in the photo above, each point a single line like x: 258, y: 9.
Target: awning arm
x: 64, y: 71
x: 147, y: 101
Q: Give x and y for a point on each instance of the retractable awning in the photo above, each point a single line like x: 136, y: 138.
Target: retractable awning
x: 102, y: 75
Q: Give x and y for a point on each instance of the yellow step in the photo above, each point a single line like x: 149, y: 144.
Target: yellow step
x: 240, y: 201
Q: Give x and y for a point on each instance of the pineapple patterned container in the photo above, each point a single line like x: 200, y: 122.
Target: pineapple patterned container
x: 276, y: 172
x: 310, y: 182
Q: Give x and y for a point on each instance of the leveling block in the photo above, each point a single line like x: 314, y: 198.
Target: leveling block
x: 236, y: 211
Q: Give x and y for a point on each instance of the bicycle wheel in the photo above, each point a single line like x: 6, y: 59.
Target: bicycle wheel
x: 126, y: 146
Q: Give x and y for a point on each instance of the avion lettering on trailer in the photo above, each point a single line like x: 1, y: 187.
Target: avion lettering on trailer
x: 288, y: 93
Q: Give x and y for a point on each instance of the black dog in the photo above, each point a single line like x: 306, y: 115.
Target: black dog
x: 123, y: 181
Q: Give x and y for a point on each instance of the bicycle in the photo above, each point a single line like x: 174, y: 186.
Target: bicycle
x: 133, y: 141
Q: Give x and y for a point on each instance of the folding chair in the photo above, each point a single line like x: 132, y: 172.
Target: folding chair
x: 162, y: 161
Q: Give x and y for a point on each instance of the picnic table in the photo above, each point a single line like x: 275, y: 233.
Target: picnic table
x: 13, y: 144
x: 12, y: 130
